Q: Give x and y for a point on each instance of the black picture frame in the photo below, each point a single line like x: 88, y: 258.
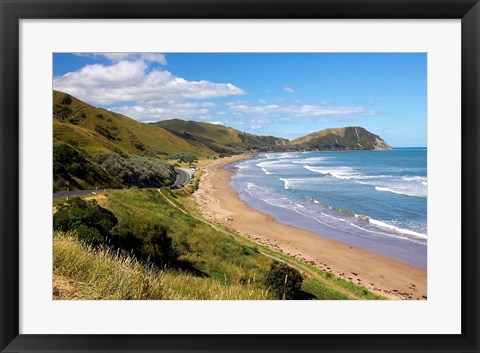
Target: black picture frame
x: 13, y: 10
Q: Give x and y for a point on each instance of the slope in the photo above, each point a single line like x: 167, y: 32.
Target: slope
x: 219, y: 138
x: 345, y: 138
x: 95, y: 130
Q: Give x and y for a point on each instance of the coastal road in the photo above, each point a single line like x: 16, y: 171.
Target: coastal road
x: 63, y: 194
x: 183, y: 178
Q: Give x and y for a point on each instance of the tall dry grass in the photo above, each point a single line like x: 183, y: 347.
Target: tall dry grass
x: 108, y: 275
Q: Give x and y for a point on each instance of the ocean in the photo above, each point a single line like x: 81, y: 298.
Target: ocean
x: 375, y: 200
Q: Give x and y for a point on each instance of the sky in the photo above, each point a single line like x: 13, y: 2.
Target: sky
x: 281, y: 94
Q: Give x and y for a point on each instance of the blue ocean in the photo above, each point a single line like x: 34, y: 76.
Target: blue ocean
x: 375, y: 200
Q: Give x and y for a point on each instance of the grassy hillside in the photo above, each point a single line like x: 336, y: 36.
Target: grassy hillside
x: 345, y: 138
x: 95, y: 130
x: 219, y: 138
x: 213, y: 262
x: 74, y: 169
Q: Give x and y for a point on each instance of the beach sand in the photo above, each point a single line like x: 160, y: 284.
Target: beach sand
x: 388, y: 277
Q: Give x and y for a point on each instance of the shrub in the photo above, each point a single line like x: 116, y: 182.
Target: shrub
x: 283, y: 280
x: 66, y: 100
x: 105, y: 133
x: 61, y: 111
x: 138, y: 171
x: 146, y: 241
x: 92, y: 223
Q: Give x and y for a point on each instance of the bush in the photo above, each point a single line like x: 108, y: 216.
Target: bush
x: 284, y: 281
x: 105, y: 133
x: 96, y: 226
x: 146, y: 241
x: 66, y: 100
x: 61, y: 111
x: 145, y: 172
x: 92, y: 223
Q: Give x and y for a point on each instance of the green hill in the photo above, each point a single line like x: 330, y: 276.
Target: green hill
x: 93, y: 130
x: 219, y: 138
x: 345, y: 138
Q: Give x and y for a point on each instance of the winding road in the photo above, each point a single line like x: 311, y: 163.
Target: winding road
x: 183, y: 178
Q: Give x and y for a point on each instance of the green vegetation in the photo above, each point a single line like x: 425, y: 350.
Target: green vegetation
x: 184, y: 157
x: 155, y: 250
x: 84, y: 272
x: 95, y: 225
x: 284, y: 281
x: 75, y: 170
x: 137, y: 171
x: 92, y: 224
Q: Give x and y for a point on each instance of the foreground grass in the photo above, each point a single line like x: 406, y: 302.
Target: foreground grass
x: 221, y: 264
x: 82, y: 272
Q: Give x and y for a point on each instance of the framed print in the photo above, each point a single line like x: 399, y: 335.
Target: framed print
x: 231, y: 176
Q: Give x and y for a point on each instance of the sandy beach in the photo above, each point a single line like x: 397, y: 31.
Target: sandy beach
x: 220, y: 203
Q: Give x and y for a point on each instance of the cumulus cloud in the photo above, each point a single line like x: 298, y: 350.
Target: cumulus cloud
x: 151, y: 57
x: 130, y: 81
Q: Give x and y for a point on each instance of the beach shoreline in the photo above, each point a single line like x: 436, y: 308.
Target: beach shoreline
x: 219, y: 202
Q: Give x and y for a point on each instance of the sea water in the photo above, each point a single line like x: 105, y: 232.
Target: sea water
x: 375, y: 200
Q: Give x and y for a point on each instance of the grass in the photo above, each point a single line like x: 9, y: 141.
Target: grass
x: 82, y: 272
x: 220, y: 263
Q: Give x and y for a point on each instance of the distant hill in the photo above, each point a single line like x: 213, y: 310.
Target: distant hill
x: 345, y: 138
x: 219, y: 138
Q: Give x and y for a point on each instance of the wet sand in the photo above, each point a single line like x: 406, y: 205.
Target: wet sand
x: 220, y: 203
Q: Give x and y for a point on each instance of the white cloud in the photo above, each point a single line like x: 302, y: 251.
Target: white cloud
x: 151, y: 57
x: 217, y: 122
x: 130, y: 81
x: 288, y: 89
x: 256, y: 127
x: 287, y: 111
x: 162, y: 111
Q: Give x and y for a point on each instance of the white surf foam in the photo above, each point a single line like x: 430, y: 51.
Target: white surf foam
x: 407, y: 191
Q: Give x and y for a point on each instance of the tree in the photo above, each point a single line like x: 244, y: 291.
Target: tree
x: 284, y: 281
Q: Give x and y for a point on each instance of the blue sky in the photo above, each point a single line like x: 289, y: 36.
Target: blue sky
x: 286, y: 95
